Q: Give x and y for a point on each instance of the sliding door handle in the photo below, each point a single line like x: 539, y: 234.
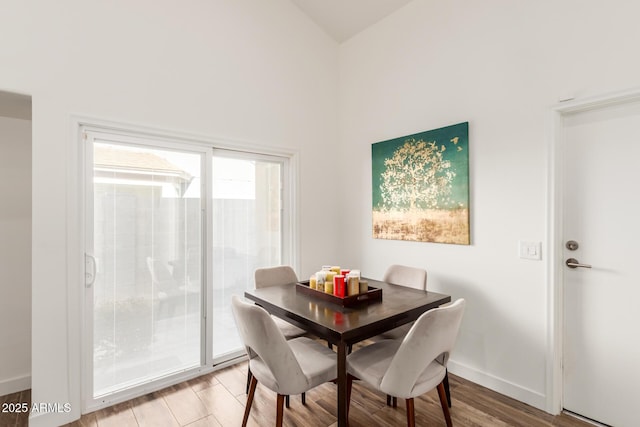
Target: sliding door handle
x: 574, y: 263
x: 90, y: 270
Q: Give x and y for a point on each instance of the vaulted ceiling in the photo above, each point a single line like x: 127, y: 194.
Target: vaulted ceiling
x: 342, y: 19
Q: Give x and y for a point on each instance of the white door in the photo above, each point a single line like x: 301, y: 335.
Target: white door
x: 144, y: 246
x: 601, y: 173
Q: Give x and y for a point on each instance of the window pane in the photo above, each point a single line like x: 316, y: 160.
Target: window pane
x: 247, y: 234
x: 147, y: 242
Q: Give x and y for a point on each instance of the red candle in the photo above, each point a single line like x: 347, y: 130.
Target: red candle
x: 338, y: 285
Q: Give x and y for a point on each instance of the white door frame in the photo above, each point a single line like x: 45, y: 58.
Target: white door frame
x: 555, y: 209
x: 76, y: 235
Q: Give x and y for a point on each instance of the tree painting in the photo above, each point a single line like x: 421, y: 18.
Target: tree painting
x: 420, y: 186
x: 416, y: 176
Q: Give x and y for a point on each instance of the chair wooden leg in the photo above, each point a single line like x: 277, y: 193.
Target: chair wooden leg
x: 411, y: 413
x: 304, y: 398
x: 395, y: 402
x: 446, y: 387
x: 443, y: 402
x: 279, y: 410
x: 249, y: 376
x: 247, y: 409
x: 286, y: 401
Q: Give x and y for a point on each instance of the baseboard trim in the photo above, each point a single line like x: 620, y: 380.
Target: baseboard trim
x: 14, y: 385
x: 502, y: 386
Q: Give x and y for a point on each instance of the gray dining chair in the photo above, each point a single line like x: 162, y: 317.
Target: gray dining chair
x: 412, y: 366
x: 272, y: 276
x: 285, y: 367
x: 280, y: 275
x: 410, y: 277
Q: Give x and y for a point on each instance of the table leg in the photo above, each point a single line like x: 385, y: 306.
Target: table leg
x: 342, y: 385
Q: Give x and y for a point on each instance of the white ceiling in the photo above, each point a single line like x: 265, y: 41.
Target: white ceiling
x: 342, y: 19
x: 15, y: 105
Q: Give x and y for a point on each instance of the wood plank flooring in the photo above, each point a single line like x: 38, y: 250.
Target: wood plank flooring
x: 14, y: 418
x: 218, y: 400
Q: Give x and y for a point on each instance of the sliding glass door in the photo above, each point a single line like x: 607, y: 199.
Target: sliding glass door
x: 250, y: 230
x: 144, y: 254
x: 173, y: 228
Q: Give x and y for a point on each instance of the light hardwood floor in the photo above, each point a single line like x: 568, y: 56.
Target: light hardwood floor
x: 218, y: 399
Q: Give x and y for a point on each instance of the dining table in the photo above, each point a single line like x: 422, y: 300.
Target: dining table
x: 343, y: 326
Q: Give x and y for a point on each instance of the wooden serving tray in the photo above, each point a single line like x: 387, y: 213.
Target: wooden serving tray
x: 372, y: 295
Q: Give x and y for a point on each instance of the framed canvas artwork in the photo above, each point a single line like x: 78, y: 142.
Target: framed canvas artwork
x: 421, y: 186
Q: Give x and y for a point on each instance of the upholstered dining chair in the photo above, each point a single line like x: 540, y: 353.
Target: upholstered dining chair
x: 285, y: 367
x: 412, y: 366
x: 280, y: 275
x: 410, y: 277
x: 271, y: 276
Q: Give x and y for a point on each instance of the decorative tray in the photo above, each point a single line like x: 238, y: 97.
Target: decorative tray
x: 372, y: 295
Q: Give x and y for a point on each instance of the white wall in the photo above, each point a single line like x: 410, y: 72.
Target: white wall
x: 501, y: 65
x: 15, y: 254
x: 261, y: 72
x: 245, y: 70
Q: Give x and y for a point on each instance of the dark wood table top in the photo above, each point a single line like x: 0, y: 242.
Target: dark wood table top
x: 348, y: 325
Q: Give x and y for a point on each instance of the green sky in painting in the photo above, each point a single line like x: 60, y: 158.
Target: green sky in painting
x: 457, y: 154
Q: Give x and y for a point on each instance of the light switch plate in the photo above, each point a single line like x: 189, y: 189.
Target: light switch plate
x: 529, y: 250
